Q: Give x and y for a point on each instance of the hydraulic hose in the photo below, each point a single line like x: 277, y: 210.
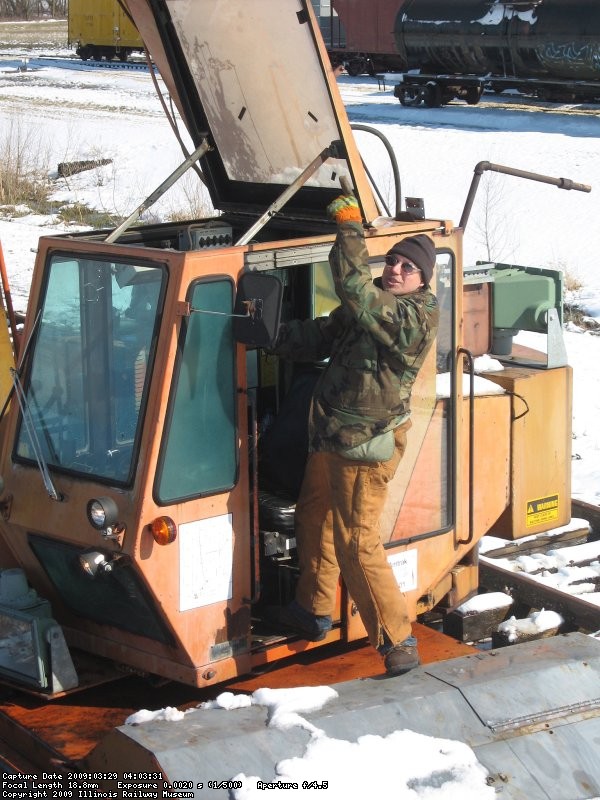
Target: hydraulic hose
x: 356, y: 126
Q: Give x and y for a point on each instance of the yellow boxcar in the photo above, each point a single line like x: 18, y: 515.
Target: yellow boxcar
x: 102, y: 30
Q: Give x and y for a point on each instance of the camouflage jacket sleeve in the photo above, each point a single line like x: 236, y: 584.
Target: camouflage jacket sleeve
x: 396, y: 322
x: 309, y: 339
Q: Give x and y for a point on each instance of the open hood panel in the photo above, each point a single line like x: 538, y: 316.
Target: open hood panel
x: 254, y: 77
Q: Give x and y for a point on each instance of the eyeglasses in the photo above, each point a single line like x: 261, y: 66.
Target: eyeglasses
x: 405, y: 266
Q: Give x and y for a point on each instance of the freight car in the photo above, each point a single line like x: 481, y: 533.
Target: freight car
x: 458, y: 48
x: 359, y: 35
x: 104, y: 31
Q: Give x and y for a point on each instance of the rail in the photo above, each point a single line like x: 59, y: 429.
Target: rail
x: 525, y: 570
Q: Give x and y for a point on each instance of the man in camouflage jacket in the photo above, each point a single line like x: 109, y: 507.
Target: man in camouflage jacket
x: 376, y: 340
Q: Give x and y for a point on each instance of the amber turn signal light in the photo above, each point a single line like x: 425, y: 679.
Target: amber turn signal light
x: 164, y: 530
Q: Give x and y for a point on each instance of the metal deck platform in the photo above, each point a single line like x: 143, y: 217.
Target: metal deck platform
x: 531, y: 713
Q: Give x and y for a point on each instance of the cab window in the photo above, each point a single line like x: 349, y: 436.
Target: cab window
x: 90, y: 366
x: 199, y: 450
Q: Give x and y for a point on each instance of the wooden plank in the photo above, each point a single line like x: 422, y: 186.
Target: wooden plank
x: 580, y: 508
x: 540, y: 543
x: 574, y: 609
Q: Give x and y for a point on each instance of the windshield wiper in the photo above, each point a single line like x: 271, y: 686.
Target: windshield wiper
x: 33, y: 437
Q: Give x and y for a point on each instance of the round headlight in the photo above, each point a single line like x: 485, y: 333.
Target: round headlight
x: 102, y: 513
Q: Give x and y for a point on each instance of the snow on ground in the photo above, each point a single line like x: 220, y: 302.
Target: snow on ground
x: 68, y: 114
x: 574, y: 570
x: 529, y: 223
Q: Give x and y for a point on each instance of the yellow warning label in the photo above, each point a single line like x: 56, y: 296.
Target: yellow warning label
x: 544, y: 509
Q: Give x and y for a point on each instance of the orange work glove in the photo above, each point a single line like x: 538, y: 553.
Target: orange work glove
x: 344, y: 209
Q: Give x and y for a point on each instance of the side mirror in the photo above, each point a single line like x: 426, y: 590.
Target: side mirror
x: 257, y: 309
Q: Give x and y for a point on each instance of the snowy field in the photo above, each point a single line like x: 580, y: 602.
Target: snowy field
x: 67, y: 112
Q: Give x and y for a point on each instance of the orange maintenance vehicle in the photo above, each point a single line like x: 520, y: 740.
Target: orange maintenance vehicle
x: 151, y: 445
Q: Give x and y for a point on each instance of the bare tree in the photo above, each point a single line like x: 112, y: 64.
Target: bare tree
x: 32, y: 9
x: 492, y: 226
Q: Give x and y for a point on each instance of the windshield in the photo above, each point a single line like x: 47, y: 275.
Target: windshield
x: 90, y: 365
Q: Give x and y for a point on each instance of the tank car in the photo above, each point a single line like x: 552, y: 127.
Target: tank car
x: 548, y: 48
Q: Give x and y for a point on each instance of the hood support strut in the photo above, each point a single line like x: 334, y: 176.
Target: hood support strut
x: 159, y: 191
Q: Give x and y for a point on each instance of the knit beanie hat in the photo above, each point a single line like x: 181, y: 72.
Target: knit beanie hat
x: 420, y: 250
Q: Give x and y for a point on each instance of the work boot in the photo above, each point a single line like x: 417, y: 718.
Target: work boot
x: 296, y: 618
x: 402, y: 657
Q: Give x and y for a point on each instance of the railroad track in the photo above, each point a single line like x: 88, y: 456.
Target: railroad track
x: 525, y: 107
x: 138, y: 66
x: 557, y: 571
x: 487, y: 101
x: 72, y: 62
x: 529, y: 104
